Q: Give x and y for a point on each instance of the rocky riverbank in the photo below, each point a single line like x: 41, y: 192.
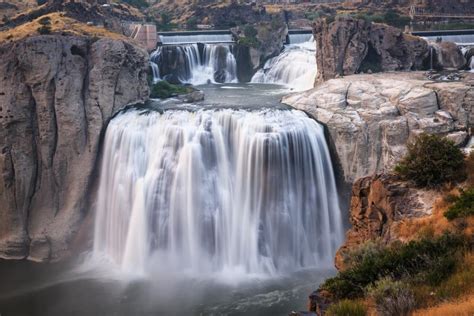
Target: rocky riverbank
x: 56, y: 97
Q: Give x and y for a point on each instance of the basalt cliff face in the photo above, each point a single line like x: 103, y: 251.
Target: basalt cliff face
x: 371, y: 118
x: 348, y: 46
x: 57, y: 94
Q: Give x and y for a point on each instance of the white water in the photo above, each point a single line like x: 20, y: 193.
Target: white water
x: 199, y: 69
x: 471, y: 64
x: 295, y: 67
x: 217, y: 191
x: 465, y: 39
x: 198, y: 38
x: 300, y: 38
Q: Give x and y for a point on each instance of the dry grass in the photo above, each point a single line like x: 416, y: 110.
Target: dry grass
x: 59, y: 24
x: 436, y: 223
x: 464, y: 307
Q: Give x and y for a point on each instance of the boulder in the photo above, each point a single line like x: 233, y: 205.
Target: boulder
x: 57, y: 94
x: 348, y: 46
x: 371, y: 118
x: 448, y: 56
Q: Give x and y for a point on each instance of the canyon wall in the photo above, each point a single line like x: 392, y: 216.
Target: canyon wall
x: 348, y: 46
x: 371, y: 118
x: 57, y: 94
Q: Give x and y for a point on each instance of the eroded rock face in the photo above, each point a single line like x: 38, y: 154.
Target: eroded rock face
x: 57, y: 94
x: 448, y: 56
x: 371, y: 118
x: 377, y: 203
x: 271, y: 38
x: 348, y: 46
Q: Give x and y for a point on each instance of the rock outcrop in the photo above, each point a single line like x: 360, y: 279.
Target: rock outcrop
x: 377, y: 204
x: 252, y: 51
x: 371, y: 118
x: 57, y: 94
x: 348, y: 46
x: 447, y: 55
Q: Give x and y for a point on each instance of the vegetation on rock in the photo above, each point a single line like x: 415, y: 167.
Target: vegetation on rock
x: 432, y: 161
x: 463, y: 205
x: 392, y: 297
x: 347, y: 308
x: 163, y: 89
x: 428, y: 260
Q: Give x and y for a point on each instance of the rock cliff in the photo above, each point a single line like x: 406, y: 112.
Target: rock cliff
x: 57, y: 94
x: 253, y: 50
x: 348, y: 46
x: 378, y: 203
x: 371, y: 118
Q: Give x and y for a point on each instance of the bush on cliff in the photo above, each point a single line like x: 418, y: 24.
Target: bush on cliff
x: 163, y: 89
x: 347, y: 308
x: 427, y: 260
x: 432, y: 161
x: 463, y: 206
x: 392, y: 297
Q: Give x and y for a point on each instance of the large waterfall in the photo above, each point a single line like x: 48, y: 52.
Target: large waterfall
x: 197, y: 63
x: 294, y: 67
x: 217, y: 191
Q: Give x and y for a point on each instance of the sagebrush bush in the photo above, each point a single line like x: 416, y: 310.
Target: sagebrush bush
x: 432, y: 161
x: 463, y: 206
x: 428, y: 260
x: 392, y: 297
x: 347, y: 308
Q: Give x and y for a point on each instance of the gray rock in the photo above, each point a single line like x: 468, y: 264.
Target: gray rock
x: 347, y: 46
x: 57, y: 94
x: 371, y: 118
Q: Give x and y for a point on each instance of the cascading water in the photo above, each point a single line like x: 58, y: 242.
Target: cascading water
x: 213, y: 63
x: 217, y: 191
x: 295, y: 67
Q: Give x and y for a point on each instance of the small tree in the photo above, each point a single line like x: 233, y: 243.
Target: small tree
x: 432, y: 161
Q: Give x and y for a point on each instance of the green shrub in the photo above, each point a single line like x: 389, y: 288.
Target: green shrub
x: 392, y: 297
x: 463, y: 206
x: 250, y: 31
x: 347, y: 308
x: 432, y: 161
x: 397, y: 261
x: 164, y: 89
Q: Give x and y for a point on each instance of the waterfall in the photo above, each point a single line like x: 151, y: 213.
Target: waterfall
x: 156, y: 72
x: 300, y: 38
x: 195, y: 38
x: 294, y: 67
x: 213, y: 63
x: 217, y: 191
x: 471, y: 64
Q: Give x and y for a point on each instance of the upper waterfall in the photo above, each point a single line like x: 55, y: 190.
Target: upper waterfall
x: 295, y: 67
x: 217, y: 190
x: 197, y: 63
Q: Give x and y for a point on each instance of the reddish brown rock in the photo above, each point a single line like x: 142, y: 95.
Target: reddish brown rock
x: 378, y: 203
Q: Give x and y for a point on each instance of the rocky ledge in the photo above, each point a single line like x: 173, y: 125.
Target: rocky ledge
x: 371, y: 118
x: 57, y: 94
